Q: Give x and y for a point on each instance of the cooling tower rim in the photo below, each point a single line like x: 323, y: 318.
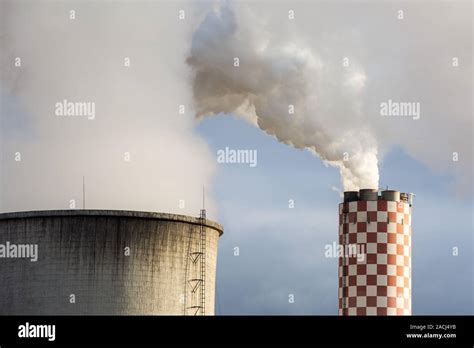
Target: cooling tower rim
x: 112, y: 213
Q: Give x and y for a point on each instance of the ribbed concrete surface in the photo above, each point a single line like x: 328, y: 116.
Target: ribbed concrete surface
x: 81, y: 252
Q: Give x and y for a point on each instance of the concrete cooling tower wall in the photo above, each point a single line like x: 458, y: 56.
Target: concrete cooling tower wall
x: 107, y: 263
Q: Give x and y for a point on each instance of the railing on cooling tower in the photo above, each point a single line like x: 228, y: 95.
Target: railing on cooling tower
x: 195, y: 275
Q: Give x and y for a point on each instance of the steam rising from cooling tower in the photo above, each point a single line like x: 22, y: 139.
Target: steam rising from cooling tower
x: 138, y: 151
x: 241, y: 69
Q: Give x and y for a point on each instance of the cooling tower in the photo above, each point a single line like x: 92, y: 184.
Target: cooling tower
x: 107, y: 263
x: 375, y: 258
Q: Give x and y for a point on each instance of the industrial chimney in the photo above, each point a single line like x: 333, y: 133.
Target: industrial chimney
x: 375, y: 263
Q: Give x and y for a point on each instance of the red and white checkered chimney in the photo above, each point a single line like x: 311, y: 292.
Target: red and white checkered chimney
x: 375, y: 253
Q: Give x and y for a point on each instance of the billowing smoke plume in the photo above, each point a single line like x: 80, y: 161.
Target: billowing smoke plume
x: 337, y: 106
x: 286, y: 89
x: 138, y: 152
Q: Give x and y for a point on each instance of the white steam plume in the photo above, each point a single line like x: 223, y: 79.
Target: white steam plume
x: 272, y: 77
x: 136, y: 109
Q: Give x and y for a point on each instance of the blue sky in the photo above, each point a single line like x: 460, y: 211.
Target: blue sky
x: 282, y: 250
